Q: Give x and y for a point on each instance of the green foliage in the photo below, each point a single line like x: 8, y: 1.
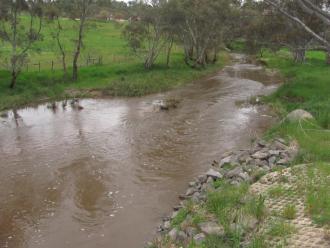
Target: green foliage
x: 256, y: 207
x: 289, y: 212
x: 216, y: 242
x: 307, y: 88
x: 218, y: 183
x: 276, y: 191
x: 226, y: 198
x: 318, y: 193
x: 180, y: 217
x: 258, y: 242
x: 121, y: 75
x: 279, y: 228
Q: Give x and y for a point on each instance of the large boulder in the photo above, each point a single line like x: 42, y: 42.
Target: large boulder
x: 298, y: 115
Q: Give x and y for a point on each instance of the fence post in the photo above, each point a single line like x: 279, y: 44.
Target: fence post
x: 52, y: 65
x: 39, y: 66
x: 27, y: 67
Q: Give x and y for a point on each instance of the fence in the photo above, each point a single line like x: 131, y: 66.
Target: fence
x: 52, y: 65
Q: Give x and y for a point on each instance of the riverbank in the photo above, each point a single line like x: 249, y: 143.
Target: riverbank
x: 234, y: 205
x: 253, y: 198
x: 120, y: 79
x: 307, y: 87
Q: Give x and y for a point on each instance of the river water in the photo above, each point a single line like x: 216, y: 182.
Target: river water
x: 105, y: 176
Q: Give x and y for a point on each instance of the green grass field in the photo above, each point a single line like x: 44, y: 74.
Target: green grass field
x: 308, y: 88
x: 121, y: 74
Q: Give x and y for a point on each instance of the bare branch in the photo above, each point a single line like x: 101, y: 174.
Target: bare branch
x: 299, y: 22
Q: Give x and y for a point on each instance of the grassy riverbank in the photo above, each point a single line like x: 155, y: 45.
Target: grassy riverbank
x: 307, y: 87
x: 125, y: 79
x: 121, y: 72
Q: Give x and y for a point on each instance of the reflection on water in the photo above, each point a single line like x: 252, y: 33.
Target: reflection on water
x: 104, y: 176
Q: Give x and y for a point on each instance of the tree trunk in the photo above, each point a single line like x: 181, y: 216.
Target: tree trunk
x: 65, y: 71
x: 169, y: 53
x: 13, y: 79
x: 59, y: 28
x: 328, y: 57
x: 299, y: 55
x: 78, y: 48
x: 215, y: 56
x: 149, y: 61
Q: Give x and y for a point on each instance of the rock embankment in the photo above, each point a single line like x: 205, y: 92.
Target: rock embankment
x: 235, y: 168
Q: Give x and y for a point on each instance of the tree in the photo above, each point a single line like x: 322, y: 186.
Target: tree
x: 53, y: 12
x: 145, y: 32
x: 266, y: 28
x: 201, y: 26
x: 80, y: 10
x: 20, y: 27
x: 318, y: 9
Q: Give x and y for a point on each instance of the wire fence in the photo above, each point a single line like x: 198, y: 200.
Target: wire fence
x: 43, y: 64
x: 84, y: 61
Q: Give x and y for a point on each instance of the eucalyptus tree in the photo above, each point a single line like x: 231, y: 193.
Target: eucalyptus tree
x: 201, y: 26
x: 319, y: 9
x: 79, y: 10
x: 265, y: 27
x: 145, y: 32
x: 54, y: 12
x: 20, y: 27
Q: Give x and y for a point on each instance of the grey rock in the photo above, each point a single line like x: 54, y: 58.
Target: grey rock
x: 235, y: 182
x: 211, y: 228
x: 282, y: 141
x: 199, y: 238
x: 191, y: 231
x: 283, y: 161
x: 174, y: 214
x: 249, y: 222
x: 274, y: 152
x: 214, y: 174
x: 207, y: 187
x: 192, y: 184
x: 260, y: 155
x: 272, y: 160
x: 202, y: 198
x: 190, y: 191
x: 167, y: 225
x: 210, y: 180
x: 262, y: 143
x: 181, y: 236
x: 202, y: 178
x: 225, y: 160
x: 280, y: 145
x: 177, y: 208
x: 234, y: 172
x: 261, y: 163
x: 173, y: 234
x: 196, y: 197
x: 298, y: 115
x: 245, y: 176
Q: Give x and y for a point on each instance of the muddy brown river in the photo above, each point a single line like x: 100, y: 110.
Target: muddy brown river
x: 104, y: 177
